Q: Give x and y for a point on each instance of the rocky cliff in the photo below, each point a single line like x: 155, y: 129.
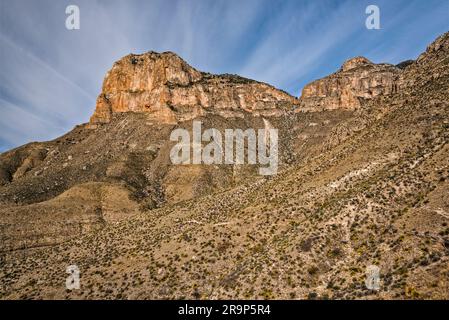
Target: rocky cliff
x: 169, y: 90
x: 355, y: 188
x: 357, y: 79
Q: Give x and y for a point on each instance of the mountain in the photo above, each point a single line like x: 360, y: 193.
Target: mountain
x: 356, y: 80
x: 169, y: 90
x: 363, y: 180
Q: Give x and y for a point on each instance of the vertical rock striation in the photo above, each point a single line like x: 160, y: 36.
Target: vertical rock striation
x: 357, y: 79
x: 169, y: 90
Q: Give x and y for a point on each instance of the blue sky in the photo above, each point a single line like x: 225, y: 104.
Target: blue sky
x: 50, y: 76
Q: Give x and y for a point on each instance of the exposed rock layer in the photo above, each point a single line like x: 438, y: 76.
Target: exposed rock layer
x: 357, y: 79
x: 167, y: 88
x: 355, y: 188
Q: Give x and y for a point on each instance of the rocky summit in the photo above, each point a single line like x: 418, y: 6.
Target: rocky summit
x: 169, y: 90
x: 362, y: 185
x: 358, y: 79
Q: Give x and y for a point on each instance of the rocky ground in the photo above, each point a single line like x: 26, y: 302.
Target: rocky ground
x: 359, y: 184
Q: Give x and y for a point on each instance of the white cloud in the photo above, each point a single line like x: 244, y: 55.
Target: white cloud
x: 48, y: 72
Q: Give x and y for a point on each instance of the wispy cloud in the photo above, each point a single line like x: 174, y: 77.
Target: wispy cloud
x: 50, y: 76
x: 18, y: 123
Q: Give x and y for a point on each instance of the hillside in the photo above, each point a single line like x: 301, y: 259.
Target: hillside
x: 363, y: 180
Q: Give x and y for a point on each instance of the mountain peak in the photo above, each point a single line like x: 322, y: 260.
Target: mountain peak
x: 436, y: 50
x: 354, y: 193
x: 440, y: 43
x: 355, y: 62
x: 350, y: 85
x: 170, y: 90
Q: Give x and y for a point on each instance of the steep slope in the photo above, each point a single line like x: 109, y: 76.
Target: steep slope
x: 357, y: 188
x: 169, y: 90
x: 357, y: 80
x: 126, y: 144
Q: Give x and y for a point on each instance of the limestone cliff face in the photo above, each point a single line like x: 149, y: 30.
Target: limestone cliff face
x: 430, y: 65
x: 169, y: 90
x: 356, y: 80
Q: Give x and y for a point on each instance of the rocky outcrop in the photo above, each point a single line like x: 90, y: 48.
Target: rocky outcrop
x: 404, y: 64
x: 430, y: 65
x: 109, y: 199
x: 356, y: 80
x: 169, y: 90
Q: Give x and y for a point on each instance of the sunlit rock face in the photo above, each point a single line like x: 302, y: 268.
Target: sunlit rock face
x: 169, y: 90
x: 357, y: 79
